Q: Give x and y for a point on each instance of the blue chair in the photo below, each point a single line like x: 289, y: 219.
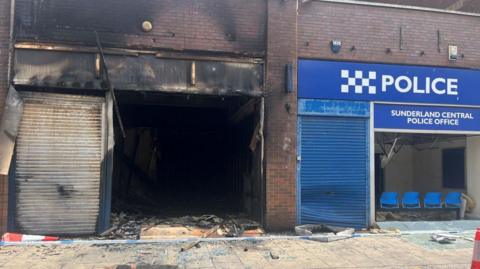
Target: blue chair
x: 453, y: 200
x: 389, y: 200
x: 411, y: 199
x: 432, y: 200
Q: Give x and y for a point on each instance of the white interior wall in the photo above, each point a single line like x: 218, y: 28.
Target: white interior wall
x: 427, y: 167
x: 473, y: 171
x: 398, y: 173
x: 421, y: 170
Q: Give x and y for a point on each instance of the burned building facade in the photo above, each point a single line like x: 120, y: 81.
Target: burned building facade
x: 198, y: 106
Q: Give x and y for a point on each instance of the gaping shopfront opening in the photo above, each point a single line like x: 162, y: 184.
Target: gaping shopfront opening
x: 351, y: 114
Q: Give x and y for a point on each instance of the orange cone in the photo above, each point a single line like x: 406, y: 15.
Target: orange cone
x: 14, y: 237
x: 476, y: 251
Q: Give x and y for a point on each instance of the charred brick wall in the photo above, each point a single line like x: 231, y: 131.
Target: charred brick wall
x: 373, y: 30
x: 209, y: 25
x: 281, y: 119
x: 4, y: 55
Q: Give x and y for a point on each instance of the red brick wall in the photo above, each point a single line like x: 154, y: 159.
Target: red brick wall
x: 374, y: 29
x: 280, y: 134
x: 224, y: 26
x: 4, y: 45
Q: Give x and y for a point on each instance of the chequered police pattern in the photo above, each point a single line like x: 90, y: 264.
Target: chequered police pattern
x: 358, y: 82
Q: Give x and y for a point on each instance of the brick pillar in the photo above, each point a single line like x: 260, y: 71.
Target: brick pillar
x: 280, y: 116
x: 4, y: 55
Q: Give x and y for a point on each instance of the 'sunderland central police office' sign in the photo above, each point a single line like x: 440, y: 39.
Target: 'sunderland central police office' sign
x: 436, y: 118
x: 401, y: 84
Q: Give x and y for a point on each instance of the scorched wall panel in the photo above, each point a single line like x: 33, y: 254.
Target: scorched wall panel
x: 208, y: 25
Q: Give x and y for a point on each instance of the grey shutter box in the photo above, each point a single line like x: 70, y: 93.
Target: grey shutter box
x: 58, y: 167
x: 333, y: 171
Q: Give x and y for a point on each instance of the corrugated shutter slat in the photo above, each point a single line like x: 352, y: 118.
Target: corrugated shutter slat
x: 334, y: 171
x: 58, y: 164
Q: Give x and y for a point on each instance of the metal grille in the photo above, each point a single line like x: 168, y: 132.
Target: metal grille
x: 58, y: 164
x: 334, y: 171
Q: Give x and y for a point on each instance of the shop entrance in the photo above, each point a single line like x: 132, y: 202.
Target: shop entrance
x: 188, y: 156
x: 422, y: 173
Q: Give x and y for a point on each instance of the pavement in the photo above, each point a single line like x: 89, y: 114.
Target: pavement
x: 375, y: 251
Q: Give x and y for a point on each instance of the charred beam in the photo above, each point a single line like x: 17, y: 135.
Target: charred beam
x: 247, y: 109
x: 109, y: 85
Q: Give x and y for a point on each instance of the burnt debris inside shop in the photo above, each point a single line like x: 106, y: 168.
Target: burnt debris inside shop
x: 187, y: 155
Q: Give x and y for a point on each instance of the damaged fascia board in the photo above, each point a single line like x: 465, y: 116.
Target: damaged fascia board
x: 9, y: 125
x: 235, y: 58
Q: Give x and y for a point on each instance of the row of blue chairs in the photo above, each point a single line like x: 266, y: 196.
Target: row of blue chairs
x: 412, y: 200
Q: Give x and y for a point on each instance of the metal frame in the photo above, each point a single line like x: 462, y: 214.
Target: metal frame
x: 372, y: 197
x: 107, y: 165
x: 12, y: 197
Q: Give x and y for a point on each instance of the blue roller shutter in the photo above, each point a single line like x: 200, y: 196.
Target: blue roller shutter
x: 333, y: 171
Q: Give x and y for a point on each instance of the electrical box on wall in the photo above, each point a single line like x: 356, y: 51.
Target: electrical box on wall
x: 452, y: 53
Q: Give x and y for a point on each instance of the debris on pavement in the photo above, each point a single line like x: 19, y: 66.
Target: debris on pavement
x: 324, y: 233
x: 391, y: 231
x: 415, y: 216
x: 196, y: 242
x: 448, y: 238
x: 443, y: 238
x: 273, y: 256
x: 109, y: 231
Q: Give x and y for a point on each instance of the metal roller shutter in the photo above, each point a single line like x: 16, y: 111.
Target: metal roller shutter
x: 58, y: 164
x: 333, y: 172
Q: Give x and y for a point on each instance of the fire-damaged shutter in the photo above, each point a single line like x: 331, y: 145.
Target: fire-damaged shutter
x: 334, y: 166
x: 58, y: 164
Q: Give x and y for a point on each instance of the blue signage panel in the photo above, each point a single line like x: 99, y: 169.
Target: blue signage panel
x: 384, y: 82
x: 437, y: 118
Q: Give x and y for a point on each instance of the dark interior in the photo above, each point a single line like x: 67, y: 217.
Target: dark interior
x: 185, y: 155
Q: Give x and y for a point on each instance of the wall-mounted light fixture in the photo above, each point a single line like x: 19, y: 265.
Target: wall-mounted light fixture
x: 147, y: 26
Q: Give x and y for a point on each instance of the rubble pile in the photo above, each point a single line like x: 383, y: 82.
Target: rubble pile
x: 133, y: 226
x: 416, y: 216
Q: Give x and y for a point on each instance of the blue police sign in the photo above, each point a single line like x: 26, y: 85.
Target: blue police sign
x: 384, y: 82
x: 387, y: 116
